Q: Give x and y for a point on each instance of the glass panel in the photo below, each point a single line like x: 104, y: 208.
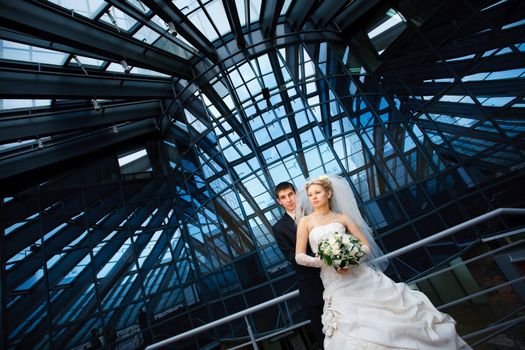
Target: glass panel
x: 203, y: 24
x: 88, y: 8
x: 118, y: 19
x: 20, y: 52
x: 216, y: 11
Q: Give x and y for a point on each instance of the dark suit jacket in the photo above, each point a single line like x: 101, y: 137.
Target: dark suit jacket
x: 308, y: 279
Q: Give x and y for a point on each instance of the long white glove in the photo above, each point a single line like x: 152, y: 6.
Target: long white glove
x: 306, y: 260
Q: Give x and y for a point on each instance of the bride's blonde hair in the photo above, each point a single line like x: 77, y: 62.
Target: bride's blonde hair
x: 325, y: 183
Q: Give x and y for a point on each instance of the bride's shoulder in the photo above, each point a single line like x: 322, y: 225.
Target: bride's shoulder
x: 305, y: 221
x: 308, y: 221
x: 341, y: 217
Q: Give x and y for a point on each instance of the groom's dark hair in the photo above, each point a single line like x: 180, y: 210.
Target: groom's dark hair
x: 283, y: 186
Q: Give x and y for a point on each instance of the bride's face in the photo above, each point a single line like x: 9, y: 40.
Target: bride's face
x: 318, y: 196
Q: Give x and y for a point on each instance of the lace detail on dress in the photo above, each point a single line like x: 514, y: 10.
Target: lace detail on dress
x: 329, y: 317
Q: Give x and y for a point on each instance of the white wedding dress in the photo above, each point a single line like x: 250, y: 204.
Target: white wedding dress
x: 364, y: 309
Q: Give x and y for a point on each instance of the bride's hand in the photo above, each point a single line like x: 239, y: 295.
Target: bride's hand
x: 342, y: 271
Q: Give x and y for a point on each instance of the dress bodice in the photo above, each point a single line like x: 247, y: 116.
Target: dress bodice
x: 322, y: 231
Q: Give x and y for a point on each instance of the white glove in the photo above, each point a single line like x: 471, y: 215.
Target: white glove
x: 306, y: 260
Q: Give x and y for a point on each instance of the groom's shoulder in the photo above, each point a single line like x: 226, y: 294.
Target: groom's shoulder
x: 280, y: 222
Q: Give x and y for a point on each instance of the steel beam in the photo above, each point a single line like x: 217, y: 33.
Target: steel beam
x: 488, y: 88
x: 467, y: 110
x: 47, y: 124
x: 233, y: 18
x: 462, y: 132
x: 298, y: 13
x: 30, y: 233
x: 349, y: 16
x: 270, y: 11
x: 326, y: 11
x: 453, y: 37
x: 17, y: 37
x: 21, y: 84
x: 218, y: 102
x: 274, y: 61
x: 170, y: 13
x: 459, y: 20
x: 19, y: 312
x: 471, y: 160
x: 49, y: 155
x: 443, y: 70
x: 130, y: 10
x: 122, y: 266
x: 49, y: 22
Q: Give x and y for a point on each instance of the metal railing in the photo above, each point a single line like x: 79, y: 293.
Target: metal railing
x: 224, y: 320
x: 454, y: 229
x: 277, y: 300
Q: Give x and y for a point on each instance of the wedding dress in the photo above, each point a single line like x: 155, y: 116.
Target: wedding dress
x: 364, y: 309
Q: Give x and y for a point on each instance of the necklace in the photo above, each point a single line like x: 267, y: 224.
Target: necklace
x: 324, y: 217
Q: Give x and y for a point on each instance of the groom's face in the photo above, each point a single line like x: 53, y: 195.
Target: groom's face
x: 286, y: 198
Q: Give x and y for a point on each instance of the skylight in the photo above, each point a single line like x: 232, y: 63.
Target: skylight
x: 394, y: 19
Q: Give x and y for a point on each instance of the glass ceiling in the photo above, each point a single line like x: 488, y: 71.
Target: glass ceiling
x: 401, y: 102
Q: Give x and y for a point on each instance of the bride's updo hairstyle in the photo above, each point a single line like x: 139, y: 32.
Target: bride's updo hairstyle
x: 325, y: 183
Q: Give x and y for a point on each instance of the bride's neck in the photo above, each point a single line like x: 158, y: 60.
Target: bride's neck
x: 322, y: 211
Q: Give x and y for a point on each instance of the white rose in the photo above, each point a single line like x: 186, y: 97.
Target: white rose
x: 346, y: 240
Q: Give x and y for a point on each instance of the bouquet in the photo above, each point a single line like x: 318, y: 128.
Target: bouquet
x: 340, y: 250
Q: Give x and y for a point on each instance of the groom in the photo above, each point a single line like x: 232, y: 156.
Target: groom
x: 308, y: 279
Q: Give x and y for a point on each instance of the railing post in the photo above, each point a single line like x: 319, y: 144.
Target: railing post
x: 250, y: 332
x: 288, y: 313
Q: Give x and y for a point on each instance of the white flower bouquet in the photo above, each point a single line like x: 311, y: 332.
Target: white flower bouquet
x: 340, y: 250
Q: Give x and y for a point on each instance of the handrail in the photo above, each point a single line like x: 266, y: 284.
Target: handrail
x: 274, y: 334
x: 449, y: 231
x: 442, y: 264
x: 495, y: 327
x: 503, y: 235
x: 277, y: 300
x: 223, y: 320
x: 476, y: 258
x: 481, y: 293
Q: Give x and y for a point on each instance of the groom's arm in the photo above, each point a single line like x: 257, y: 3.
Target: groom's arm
x: 284, y: 244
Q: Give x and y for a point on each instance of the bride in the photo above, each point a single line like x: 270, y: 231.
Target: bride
x: 364, y: 309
